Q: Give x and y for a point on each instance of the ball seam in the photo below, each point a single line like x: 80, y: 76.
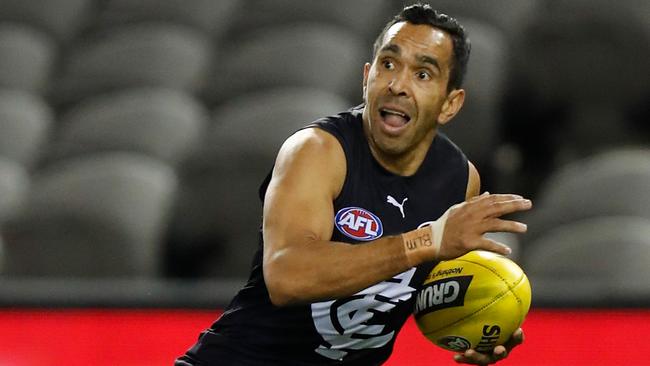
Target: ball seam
x: 496, y: 273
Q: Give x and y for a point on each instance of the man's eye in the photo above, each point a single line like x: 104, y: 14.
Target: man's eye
x: 388, y: 65
x: 423, y: 75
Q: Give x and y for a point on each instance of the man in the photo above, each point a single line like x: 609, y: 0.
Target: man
x: 335, y: 276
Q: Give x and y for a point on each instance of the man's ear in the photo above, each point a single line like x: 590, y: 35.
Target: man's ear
x: 366, y: 71
x: 451, y: 106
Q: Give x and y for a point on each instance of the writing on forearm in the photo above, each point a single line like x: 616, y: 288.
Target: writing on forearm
x: 415, y: 242
x: 419, y: 245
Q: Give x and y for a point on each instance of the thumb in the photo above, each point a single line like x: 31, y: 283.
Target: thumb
x: 494, y: 246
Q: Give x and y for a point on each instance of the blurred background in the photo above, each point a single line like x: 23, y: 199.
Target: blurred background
x: 134, y: 136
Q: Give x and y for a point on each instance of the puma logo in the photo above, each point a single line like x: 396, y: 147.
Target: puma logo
x: 394, y: 202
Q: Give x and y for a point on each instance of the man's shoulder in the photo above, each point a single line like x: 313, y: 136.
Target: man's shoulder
x: 345, y: 126
x: 352, y: 114
x: 314, y: 140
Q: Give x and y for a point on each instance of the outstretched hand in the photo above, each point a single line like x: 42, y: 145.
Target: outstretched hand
x: 467, y: 222
x: 473, y: 357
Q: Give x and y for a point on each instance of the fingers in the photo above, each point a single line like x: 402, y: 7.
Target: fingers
x: 466, y: 223
x: 516, y: 339
x: 498, y: 225
x: 506, y: 206
x: 482, y: 195
x: 489, y: 199
x: 476, y: 358
x: 473, y: 357
x: 495, y: 205
x: 493, y: 246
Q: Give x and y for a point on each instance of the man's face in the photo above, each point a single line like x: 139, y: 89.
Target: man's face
x: 405, y: 88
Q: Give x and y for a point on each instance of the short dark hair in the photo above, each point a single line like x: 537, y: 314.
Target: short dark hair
x: 425, y: 14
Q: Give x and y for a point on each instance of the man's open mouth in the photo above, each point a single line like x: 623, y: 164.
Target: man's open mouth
x: 394, y: 118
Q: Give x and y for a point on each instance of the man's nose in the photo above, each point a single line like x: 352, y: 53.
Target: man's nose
x: 397, y: 85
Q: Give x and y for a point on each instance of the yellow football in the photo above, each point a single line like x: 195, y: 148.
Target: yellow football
x: 474, y: 301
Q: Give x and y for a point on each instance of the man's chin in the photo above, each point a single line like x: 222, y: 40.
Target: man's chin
x: 389, y: 147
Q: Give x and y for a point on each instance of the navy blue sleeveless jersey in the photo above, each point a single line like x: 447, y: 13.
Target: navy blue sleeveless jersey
x: 360, y: 329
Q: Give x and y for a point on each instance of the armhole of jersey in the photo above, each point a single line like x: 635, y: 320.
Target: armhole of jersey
x: 346, y: 151
x: 466, y: 175
x: 463, y: 175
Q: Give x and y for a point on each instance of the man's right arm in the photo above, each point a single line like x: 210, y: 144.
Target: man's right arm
x: 302, y: 264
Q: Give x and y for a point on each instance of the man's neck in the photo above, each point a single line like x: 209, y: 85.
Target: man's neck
x: 404, y: 164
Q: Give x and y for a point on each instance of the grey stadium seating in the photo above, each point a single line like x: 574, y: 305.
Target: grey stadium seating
x: 212, y: 17
x: 600, y: 261
x: 508, y: 16
x: 14, y: 186
x: 137, y: 55
x: 363, y: 17
x: 63, y: 19
x: 162, y: 123
x: 27, y: 58
x: 26, y: 121
x: 303, y: 55
x: 612, y: 183
x: 91, y: 217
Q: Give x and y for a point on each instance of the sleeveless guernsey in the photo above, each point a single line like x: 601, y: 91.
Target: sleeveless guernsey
x: 360, y: 329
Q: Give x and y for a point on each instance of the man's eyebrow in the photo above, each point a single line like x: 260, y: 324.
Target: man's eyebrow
x: 393, y: 48
x: 429, y: 60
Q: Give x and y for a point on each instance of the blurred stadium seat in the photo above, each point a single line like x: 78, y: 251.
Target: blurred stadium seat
x: 27, y: 58
x: 612, y: 183
x: 139, y: 55
x: 14, y: 185
x: 25, y: 124
x: 208, y: 16
x: 363, y: 17
x: 300, y: 55
x: 162, y: 123
x: 98, y: 216
x: 62, y: 19
x: 219, y: 208
x: 624, y: 12
x: 508, y: 16
x: 2, y: 257
x: 593, y: 262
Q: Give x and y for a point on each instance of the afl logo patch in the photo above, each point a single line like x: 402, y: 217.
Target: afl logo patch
x: 358, y: 223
